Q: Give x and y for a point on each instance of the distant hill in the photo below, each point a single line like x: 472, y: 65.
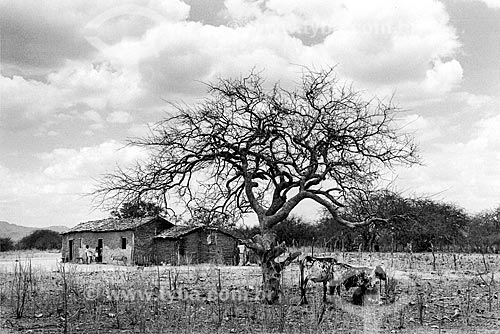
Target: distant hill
x: 17, y: 232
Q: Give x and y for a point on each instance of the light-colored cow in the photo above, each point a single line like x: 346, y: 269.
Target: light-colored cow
x: 317, y: 270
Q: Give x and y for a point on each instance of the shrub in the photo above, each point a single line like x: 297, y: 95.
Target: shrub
x: 6, y: 244
x: 41, y: 239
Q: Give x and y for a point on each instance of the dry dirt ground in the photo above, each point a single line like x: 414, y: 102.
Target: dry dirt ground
x: 40, y: 260
x: 456, y: 294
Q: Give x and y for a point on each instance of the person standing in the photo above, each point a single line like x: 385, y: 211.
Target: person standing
x: 88, y: 254
x: 97, y: 255
x: 243, y: 255
x: 236, y: 255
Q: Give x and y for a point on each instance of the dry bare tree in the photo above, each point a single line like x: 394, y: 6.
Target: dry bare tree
x: 250, y: 149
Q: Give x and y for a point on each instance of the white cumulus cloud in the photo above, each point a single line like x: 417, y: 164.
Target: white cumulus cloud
x: 465, y: 172
x: 492, y: 3
x: 120, y: 117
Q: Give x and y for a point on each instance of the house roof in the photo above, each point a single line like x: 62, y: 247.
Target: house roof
x: 111, y: 224
x: 179, y: 231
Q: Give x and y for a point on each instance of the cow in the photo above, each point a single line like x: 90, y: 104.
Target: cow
x: 344, y: 275
x: 317, y: 270
x: 364, y: 279
x: 121, y: 258
x: 359, y: 293
x: 334, y: 275
x: 366, y: 293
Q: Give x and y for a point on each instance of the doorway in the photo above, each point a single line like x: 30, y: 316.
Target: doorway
x: 99, y: 250
x: 70, y: 247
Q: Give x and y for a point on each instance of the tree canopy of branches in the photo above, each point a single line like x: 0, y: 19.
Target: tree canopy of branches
x: 484, y: 231
x: 425, y: 223
x: 137, y: 209
x: 293, y: 231
x: 250, y: 149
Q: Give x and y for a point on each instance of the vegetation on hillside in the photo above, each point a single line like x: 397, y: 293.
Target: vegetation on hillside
x: 6, y: 244
x: 17, y: 232
x: 38, y: 239
x: 41, y: 239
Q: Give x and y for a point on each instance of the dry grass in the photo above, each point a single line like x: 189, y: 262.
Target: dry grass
x: 115, y: 299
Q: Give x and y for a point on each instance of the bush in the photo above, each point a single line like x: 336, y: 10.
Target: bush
x: 6, y: 244
x: 42, y: 240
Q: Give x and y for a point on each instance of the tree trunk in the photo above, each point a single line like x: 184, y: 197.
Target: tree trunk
x: 271, y: 270
x: 271, y: 278
x: 268, y: 250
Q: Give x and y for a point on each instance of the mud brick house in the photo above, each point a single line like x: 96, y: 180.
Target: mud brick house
x: 196, y: 244
x: 149, y: 240
x: 129, y: 237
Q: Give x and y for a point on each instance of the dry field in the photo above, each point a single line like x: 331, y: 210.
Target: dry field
x: 448, y: 293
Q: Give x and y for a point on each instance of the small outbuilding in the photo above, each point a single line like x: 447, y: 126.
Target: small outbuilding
x: 127, y: 239
x: 196, y: 244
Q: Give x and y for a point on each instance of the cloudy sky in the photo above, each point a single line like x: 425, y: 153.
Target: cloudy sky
x: 80, y: 77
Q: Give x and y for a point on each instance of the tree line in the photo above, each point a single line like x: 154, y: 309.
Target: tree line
x: 418, y: 225
x: 425, y: 224
x: 39, y: 239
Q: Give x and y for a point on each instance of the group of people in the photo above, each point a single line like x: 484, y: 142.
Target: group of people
x: 92, y: 256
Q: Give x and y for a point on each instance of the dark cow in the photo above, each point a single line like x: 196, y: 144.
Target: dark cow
x: 366, y: 293
x: 359, y: 293
x: 352, y: 276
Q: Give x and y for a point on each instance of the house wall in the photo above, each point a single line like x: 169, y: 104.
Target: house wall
x: 197, y: 248
x: 166, y: 251
x: 112, y: 244
x: 144, y: 251
x: 225, y: 247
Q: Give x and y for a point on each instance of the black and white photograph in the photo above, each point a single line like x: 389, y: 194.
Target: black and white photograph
x: 250, y: 166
